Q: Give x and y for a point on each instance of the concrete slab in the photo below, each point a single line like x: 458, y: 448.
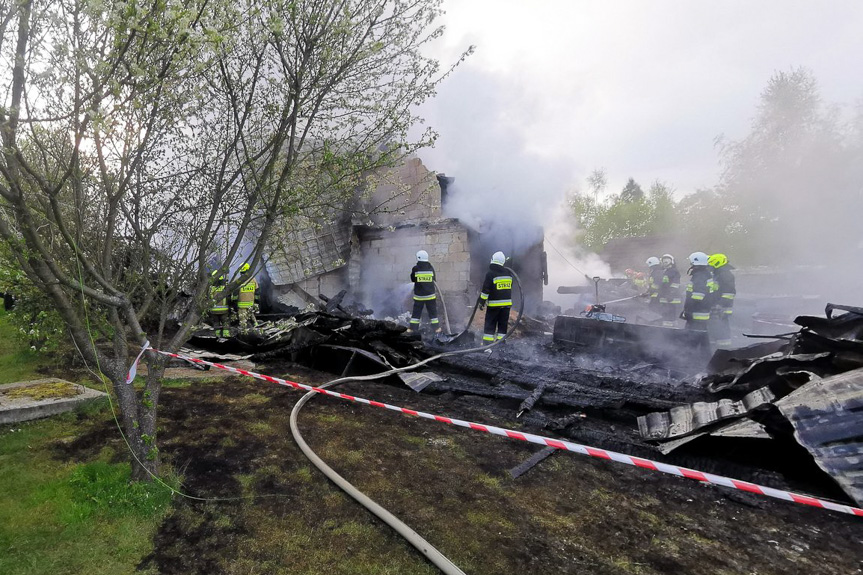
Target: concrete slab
x: 25, y: 400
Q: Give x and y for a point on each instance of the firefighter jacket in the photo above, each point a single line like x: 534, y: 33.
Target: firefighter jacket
x: 422, y: 275
x: 497, y: 287
x: 246, y: 297
x: 700, y: 294
x: 725, y: 288
x: 219, y: 303
x: 669, y: 289
x: 654, y: 283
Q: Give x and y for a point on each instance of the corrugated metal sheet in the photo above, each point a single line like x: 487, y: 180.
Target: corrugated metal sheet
x: 686, y: 419
x: 763, y: 370
x: 827, y: 415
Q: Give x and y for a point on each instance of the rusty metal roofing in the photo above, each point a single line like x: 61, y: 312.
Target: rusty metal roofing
x: 827, y: 415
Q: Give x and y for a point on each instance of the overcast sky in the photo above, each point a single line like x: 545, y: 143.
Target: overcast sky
x: 557, y: 88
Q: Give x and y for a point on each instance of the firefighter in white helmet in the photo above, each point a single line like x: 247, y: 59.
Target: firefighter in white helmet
x: 699, y: 293
x: 423, y: 278
x: 654, y: 281
x: 497, y: 295
x: 669, y: 290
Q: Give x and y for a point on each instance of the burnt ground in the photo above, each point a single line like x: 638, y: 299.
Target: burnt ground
x: 570, y: 514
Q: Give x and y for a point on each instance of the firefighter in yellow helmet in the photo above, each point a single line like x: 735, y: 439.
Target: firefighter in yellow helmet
x: 219, y: 305
x: 726, y: 290
x: 246, y: 300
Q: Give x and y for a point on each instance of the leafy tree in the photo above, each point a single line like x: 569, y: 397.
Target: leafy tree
x: 631, y: 192
x: 790, y: 190
x: 32, y: 315
x: 794, y: 171
x: 146, y: 146
x: 707, y: 221
x: 598, y: 223
x: 597, y: 181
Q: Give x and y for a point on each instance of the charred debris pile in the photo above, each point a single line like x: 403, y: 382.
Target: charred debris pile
x: 323, y: 336
x: 776, y: 412
x: 803, y: 391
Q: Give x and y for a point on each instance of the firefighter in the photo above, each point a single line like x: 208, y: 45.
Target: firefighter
x: 654, y: 281
x: 720, y: 314
x: 699, y: 293
x: 497, y: 295
x: 246, y: 299
x: 219, y: 306
x: 669, y: 290
x: 423, y: 278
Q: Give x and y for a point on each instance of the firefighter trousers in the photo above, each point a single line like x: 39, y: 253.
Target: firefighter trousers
x: 669, y: 313
x: 431, y: 307
x: 496, y: 319
x: 719, y: 328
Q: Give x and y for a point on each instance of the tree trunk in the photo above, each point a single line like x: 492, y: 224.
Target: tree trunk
x: 138, y: 416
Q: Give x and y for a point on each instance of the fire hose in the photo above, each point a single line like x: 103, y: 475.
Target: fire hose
x: 430, y: 552
x: 443, y: 305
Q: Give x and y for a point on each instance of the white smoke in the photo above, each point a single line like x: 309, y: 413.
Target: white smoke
x: 499, y: 181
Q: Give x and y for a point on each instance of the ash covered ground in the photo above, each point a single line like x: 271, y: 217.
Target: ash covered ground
x: 568, y: 514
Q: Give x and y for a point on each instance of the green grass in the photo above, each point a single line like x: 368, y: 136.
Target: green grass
x: 66, y: 517
x: 17, y: 361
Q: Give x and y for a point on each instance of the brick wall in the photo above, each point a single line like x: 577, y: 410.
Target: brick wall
x: 389, y: 254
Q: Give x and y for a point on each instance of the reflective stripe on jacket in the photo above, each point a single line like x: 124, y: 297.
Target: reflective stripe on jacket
x: 700, y: 294
x: 497, y: 287
x: 669, y: 291
x: 654, y: 282
x: 219, y: 302
x: 247, y: 294
x: 726, y: 287
x: 423, y: 277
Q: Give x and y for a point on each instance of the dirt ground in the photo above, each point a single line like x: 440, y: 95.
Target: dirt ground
x: 570, y: 514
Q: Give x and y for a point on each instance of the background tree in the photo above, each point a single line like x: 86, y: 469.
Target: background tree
x: 146, y: 146
x: 631, y: 192
x: 600, y: 222
x: 597, y: 181
x: 790, y: 183
x: 790, y: 190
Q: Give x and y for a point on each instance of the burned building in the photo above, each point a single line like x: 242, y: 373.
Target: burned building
x: 369, y: 250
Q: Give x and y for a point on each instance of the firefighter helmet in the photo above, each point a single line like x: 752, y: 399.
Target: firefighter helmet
x: 668, y: 257
x: 717, y: 260
x: 244, y: 268
x: 629, y: 272
x: 698, y: 258
x: 498, y: 258
x: 652, y: 261
x: 422, y: 256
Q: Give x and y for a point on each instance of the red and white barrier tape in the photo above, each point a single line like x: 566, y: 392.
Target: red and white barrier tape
x: 557, y: 443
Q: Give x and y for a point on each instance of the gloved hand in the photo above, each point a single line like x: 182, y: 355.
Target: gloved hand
x: 482, y: 304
